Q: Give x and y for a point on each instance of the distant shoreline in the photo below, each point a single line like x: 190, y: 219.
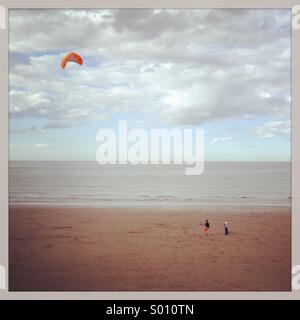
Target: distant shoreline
x: 221, y: 209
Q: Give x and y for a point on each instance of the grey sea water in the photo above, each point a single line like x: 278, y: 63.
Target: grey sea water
x: 89, y: 184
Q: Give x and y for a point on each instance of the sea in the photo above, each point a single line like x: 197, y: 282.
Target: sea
x: 88, y: 184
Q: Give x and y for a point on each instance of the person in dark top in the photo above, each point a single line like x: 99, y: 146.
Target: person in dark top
x: 206, y: 227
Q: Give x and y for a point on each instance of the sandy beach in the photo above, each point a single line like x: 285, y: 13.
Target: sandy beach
x: 135, y: 249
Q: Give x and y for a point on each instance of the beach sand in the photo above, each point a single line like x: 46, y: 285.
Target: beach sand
x: 136, y: 249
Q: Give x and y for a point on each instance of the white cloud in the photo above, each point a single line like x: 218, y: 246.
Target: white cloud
x: 219, y: 140
x: 41, y: 145
x: 273, y: 128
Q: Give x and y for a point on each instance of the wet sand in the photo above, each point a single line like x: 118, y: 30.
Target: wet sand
x: 136, y: 249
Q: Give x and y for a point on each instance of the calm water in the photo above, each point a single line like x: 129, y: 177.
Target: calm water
x: 89, y: 184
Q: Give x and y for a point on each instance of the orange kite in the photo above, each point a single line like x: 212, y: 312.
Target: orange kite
x: 71, y: 57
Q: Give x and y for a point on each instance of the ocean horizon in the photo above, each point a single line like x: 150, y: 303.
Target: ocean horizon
x: 86, y: 183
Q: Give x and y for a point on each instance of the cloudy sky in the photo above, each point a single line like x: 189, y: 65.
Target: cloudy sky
x: 224, y: 71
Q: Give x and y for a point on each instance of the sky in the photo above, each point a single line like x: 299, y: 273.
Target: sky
x: 225, y: 71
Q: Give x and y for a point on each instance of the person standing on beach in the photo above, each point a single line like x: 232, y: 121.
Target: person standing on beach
x: 206, y: 227
x: 226, y: 224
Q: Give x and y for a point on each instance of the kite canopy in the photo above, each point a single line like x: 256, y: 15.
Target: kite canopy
x: 71, y: 57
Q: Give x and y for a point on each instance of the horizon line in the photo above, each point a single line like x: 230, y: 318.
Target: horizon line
x: 9, y: 160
